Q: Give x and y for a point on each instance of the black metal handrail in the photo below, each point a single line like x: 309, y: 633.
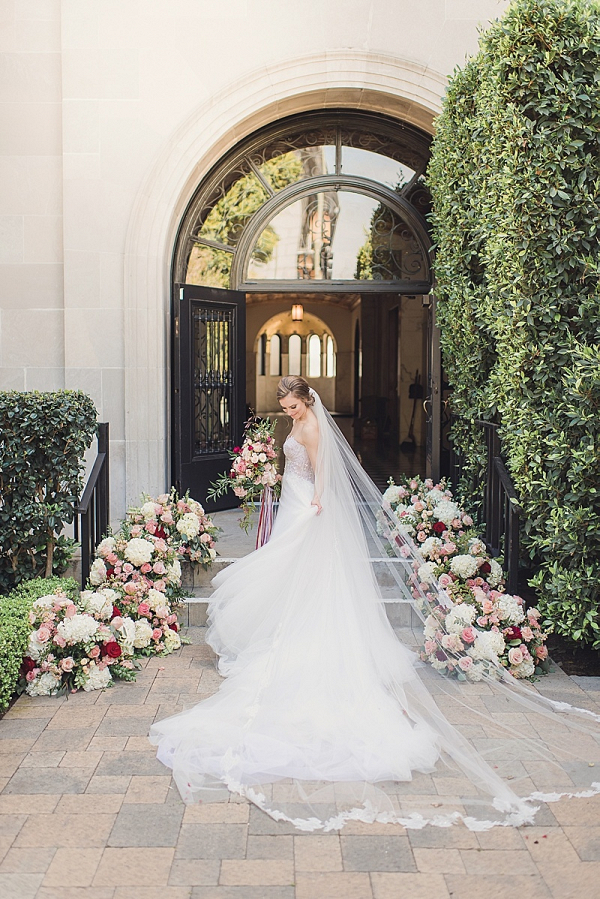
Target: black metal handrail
x: 92, y: 513
x: 500, y: 512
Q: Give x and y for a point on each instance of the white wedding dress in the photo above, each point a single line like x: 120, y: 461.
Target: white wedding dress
x: 323, y: 715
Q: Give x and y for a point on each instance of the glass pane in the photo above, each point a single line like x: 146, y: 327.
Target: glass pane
x: 295, y: 355
x: 314, y: 356
x: 213, y: 379
x: 225, y: 221
x: 275, y: 369
x: 338, y: 235
x: 330, y: 358
x: 371, y: 165
x: 296, y: 157
x: 208, y: 266
x: 398, y: 147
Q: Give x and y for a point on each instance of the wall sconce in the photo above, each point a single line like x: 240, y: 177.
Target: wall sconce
x: 297, y: 312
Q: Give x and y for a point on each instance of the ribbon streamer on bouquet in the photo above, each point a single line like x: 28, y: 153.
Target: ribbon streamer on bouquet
x: 265, y: 520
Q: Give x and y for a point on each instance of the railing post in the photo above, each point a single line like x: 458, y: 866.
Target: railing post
x: 92, y: 513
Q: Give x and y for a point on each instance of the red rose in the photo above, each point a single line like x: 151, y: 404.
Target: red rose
x: 116, y: 612
x: 110, y: 572
x: 513, y: 633
x: 111, y: 649
x: 237, y: 449
x: 160, y: 532
x: 439, y: 527
x: 174, y: 627
x: 28, y: 664
x: 485, y: 568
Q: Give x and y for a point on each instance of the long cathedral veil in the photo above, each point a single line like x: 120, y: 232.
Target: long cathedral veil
x: 326, y: 717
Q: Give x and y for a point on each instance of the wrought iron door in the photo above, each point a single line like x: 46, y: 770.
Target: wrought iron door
x: 209, y: 396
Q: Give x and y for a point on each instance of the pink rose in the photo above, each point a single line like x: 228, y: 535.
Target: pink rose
x: 43, y: 635
x: 160, y: 545
x: 482, y: 621
x: 421, y: 536
x: 94, y: 652
x: 60, y: 641
x: 413, y: 484
x: 70, y: 610
x: 430, y: 646
x: 32, y: 618
x: 136, y: 530
x: 526, y: 633
x: 157, y: 633
x: 444, y: 580
x: 31, y: 675
x: 533, y: 613
x: 130, y: 589
x: 419, y: 506
x: 127, y: 568
x: 205, y: 538
x: 143, y: 609
x: 158, y: 568
x: 146, y: 567
x: 167, y: 518
x: 487, y: 606
x: 117, y: 621
x: 68, y: 663
x: 404, y: 552
x: 172, y: 619
x: 150, y: 526
x: 467, y: 520
x: 112, y: 558
x: 466, y: 663
x: 515, y: 656
x: 542, y: 652
x: 468, y: 635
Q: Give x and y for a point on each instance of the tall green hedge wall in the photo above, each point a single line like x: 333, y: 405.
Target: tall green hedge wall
x: 515, y: 178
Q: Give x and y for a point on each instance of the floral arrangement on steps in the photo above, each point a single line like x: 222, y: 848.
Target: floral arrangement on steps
x: 482, y: 625
x: 128, y: 610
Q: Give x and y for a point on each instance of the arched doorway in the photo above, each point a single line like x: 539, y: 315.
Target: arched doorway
x: 324, y: 209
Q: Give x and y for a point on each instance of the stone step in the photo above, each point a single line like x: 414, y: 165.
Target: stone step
x: 399, y: 611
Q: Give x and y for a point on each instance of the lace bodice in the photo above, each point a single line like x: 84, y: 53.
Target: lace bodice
x: 296, y: 460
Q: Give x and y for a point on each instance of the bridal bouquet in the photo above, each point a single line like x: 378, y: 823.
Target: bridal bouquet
x: 82, y: 643
x: 253, y: 469
x: 484, y: 626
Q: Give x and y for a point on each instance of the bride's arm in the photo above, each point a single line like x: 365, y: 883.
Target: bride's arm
x: 310, y: 435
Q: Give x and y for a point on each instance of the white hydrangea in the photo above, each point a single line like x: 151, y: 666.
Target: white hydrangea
x: 496, y: 575
x: 106, y: 546
x: 426, y: 572
x: 488, y: 646
x: 77, y: 629
x: 477, y: 547
x: 429, y: 546
x: 44, y: 685
x: 148, y: 511
x: 139, y: 551
x: 143, y: 633
x: 525, y: 669
x: 195, y: 506
x: 510, y: 611
x: 188, y: 525
x: 476, y: 673
x: 174, y: 572
x: 99, y: 604
x: 97, y: 573
x: 98, y: 679
x: 446, y: 511
x: 34, y: 648
x: 172, y: 641
x: 156, y: 599
x: 43, y: 603
x: 464, y: 566
x: 435, y: 496
x: 213, y: 554
x: 458, y: 618
x: 392, y: 494
x: 432, y: 625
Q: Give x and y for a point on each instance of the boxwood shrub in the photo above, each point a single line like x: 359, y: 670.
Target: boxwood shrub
x: 15, y: 627
x: 515, y: 179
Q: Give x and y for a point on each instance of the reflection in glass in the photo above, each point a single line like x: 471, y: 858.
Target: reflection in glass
x: 262, y: 354
x: 329, y: 358
x: 209, y: 266
x: 314, y: 356
x: 339, y: 235
x: 295, y: 355
x: 275, y: 364
x: 367, y: 164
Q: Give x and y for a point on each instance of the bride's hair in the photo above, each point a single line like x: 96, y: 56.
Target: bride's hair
x: 298, y: 387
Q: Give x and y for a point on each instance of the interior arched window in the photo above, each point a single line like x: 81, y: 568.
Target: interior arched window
x: 275, y: 362
x: 262, y: 354
x: 295, y: 355
x: 329, y: 358
x: 314, y: 356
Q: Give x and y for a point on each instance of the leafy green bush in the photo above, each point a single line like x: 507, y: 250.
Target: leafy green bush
x: 43, y: 437
x: 515, y: 178
x: 15, y: 627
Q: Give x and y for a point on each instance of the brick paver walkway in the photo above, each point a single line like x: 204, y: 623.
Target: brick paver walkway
x: 87, y: 812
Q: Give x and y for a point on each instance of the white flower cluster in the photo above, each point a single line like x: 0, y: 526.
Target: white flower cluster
x: 143, y: 633
x: 459, y: 617
x: 172, y: 640
x: 148, y: 511
x: 524, y: 669
x: 426, y: 572
x: 496, y: 575
x: 106, y: 546
x: 488, y: 646
x: 510, y: 611
x: 446, y: 511
x: 97, y: 679
x: 77, y: 629
x: 435, y: 497
x: 173, y: 574
x: 464, y: 566
x: 188, y: 525
x: 45, y: 685
x: 127, y: 634
x: 44, y: 603
x: 99, y: 604
x: 139, y: 551
x: 97, y: 573
x: 394, y: 494
x: 430, y: 546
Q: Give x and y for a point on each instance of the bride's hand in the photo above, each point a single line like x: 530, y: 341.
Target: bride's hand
x: 317, y: 502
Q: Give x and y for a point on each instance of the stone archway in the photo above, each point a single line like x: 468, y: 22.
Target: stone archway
x: 343, y: 79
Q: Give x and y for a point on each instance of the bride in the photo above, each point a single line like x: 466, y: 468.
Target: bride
x: 324, y: 715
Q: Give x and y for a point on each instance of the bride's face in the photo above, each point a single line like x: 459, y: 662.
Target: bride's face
x: 293, y: 406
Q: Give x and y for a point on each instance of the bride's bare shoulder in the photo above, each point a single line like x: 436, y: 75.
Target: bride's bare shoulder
x: 310, y: 431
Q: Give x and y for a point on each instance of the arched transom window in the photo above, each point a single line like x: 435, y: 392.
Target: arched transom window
x: 327, y: 197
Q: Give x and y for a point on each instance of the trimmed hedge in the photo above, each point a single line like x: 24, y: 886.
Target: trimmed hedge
x: 515, y: 178
x: 15, y: 627
x: 43, y: 438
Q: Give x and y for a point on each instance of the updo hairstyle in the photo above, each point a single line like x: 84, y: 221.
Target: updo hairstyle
x: 298, y: 388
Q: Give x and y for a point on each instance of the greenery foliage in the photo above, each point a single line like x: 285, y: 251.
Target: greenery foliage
x: 15, y: 627
x: 515, y: 178
x: 43, y: 437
